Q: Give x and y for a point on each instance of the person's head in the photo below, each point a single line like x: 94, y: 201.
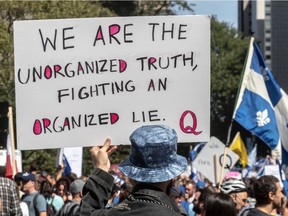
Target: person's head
x: 62, y: 186
x: 199, y: 203
x: 238, y: 192
x: 18, y: 179
x: 28, y: 184
x: 153, y: 156
x: 76, y: 187
x: 190, y: 188
x: 219, y: 203
x: 71, y: 176
x: 46, y: 189
x: 176, y: 195
x: 267, y: 191
x: 197, y: 195
x: 33, y: 168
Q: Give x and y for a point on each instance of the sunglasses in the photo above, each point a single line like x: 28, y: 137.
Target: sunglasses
x: 243, y: 200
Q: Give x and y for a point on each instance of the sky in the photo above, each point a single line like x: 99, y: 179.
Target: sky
x: 225, y: 10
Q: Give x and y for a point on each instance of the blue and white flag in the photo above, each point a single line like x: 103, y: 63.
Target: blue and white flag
x: 195, y: 175
x: 252, y: 156
x: 67, y: 167
x: 260, y: 166
x: 262, y: 106
x: 193, y: 153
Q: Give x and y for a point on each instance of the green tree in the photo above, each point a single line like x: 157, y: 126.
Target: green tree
x: 228, y: 52
x: 149, y: 8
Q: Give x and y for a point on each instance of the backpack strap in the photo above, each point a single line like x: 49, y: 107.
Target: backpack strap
x: 35, y: 203
x: 68, y: 208
x: 52, y: 201
x: 73, y: 209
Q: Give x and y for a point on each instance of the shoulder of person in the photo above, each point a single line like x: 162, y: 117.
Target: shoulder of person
x: 57, y: 198
x: 247, y: 211
x: 253, y: 212
x: 68, y: 208
x: 40, y: 197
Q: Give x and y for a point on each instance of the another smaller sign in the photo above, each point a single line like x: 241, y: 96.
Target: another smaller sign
x: 209, y: 161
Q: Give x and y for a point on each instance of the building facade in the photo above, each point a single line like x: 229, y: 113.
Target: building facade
x: 267, y: 21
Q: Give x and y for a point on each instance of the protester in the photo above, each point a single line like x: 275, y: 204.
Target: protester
x: 219, y: 204
x: 71, y: 207
x: 151, y: 166
x: 35, y: 201
x: 268, y: 194
x: 176, y: 195
x: 199, y: 204
x: 23, y: 205
x: 55, y: 201
x: 62, y: 188
x: 187, y: 202
x: 9, y: 200
x: 33, y: 169
x: 238, y: 192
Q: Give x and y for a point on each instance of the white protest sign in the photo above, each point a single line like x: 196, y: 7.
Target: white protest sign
x: 74, y: 157
x: 79, y: 81
x: 204, y: 162
x: 273, y: 170
x: 18, y: 158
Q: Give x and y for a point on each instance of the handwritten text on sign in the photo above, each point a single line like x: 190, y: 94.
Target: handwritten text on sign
x: 79, y: 81
x: 205, y: 163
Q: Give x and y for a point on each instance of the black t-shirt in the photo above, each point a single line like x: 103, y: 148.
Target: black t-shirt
x: 254, y: 212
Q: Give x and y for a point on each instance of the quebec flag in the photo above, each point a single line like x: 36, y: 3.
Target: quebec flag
x: 262, y: 106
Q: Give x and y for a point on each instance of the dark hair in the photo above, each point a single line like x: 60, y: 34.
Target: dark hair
x: 175, y: 192
x: 198, y: 207
x: 71, y: 176
x: 33, y: 168
x: 262, y: 187
x: 46, y: 189
x: 219, y: 203
x: 65, y: 182
x: 250, y: 182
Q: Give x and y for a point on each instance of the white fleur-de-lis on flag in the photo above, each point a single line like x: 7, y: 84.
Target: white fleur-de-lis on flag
x: 262, y: 118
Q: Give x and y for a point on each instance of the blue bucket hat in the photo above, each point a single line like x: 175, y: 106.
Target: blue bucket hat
x: 153, y: 156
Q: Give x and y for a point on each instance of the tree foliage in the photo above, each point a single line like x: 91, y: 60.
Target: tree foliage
x: 228, y: 52
x: 148, y: 8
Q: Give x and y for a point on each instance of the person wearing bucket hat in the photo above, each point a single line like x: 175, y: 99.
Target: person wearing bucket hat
x: 152, y: 165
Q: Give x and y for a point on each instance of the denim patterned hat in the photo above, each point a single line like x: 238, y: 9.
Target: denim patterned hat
x: 153, y: 155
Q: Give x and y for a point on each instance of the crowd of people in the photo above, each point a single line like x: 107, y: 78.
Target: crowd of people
x: 150, y: 183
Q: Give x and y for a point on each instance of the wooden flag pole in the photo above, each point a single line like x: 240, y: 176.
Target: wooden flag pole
x: 224, y: 161
x: 222, y: 167
x: 11, y: 134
